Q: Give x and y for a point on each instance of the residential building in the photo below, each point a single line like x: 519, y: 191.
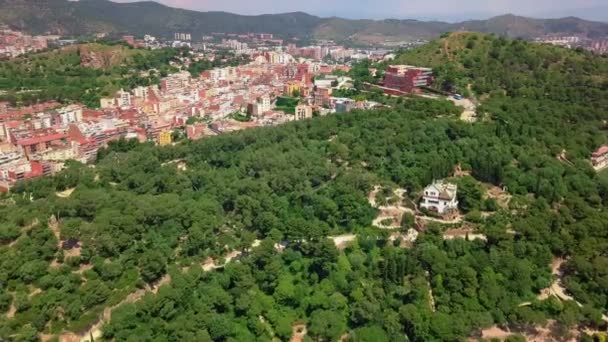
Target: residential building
x: 107, y: 102
x: 401, y: 79
x: 123, y: 98
x: 345, y: 105
x: 33, y: 145
x: 129, y: 39
x: 303, y: 112
x: 290, y: 88
x: 324, y: 83
x: 175, y: 83
x: 70, y: 114
x: 164, y: 138
x: 141, y: 93
x: 599, y: 158
x: 323, y: 96
x: 265, y: 102
x: 440, y: 197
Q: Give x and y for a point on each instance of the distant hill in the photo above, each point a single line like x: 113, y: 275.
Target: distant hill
x: 483, y: 64
x: 93, y: 16
x: 81, y: 73
x: 515, y: 26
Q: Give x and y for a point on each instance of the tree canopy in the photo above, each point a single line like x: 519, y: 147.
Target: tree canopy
x: 138, y: 218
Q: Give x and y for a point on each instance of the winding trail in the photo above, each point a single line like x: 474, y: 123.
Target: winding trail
x: 556, y: 288
x: 95, y: 330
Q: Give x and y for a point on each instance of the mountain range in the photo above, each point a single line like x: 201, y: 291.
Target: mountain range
x: 84, y: 17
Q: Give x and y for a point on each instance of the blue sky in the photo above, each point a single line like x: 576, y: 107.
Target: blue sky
x: 404, y: 9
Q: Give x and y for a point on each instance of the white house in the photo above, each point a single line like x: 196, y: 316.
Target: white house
x: 440, y: 197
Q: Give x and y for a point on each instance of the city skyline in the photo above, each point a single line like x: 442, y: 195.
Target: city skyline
x: 413, y: 9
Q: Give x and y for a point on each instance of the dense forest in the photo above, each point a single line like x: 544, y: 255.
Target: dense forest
x: 139, y: 223
x: 63, y: 74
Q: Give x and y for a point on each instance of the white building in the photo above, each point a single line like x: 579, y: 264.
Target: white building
x: 70, y: 114
x: 175, y: 83
x: 123, y: 99
x: 141, y: 93
x: 265, y: 103
x: 440, y: 197
x: 107, y: 102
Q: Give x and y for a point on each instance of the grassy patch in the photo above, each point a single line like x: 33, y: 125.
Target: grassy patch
x: 287, y: 104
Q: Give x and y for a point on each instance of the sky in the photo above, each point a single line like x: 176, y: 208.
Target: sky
x: 447, y: 10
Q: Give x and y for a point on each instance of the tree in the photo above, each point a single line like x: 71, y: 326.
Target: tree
x: 369, y: 334
x: 152, y: 266
x: 325, y: 324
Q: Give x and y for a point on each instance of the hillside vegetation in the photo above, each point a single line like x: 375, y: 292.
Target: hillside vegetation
x: 142, y: 221
x: 83, y: 17
x: 82, y: 73
x: 491, y: 65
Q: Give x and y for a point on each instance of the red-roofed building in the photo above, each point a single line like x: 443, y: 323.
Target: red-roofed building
x: 22, y: 171
x: 3, y: 107
x: 129, y: 39
x: 90, y: 114
x: 599, y: 158
x: 41, y: 143
x: 406, y: 79
x: 197, y: 131
x: 141, y: 134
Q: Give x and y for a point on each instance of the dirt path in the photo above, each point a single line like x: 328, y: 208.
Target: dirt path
x: 65, y: 194
x: 298, y: 332
x: 556, y: 288
x: 393, y: 213
x: 432, y: 304
x: 502, y: 197
x: 12, y: 309
x: 181, y: 164
x: 533, y: 334
x: 371, y: 198
x: 469, y: 113
x: 407, y: 239
x: 562, y: 157
x: 446, y: 49
x: 106, y: 316
x: 433, y: 219
x: 54, y: 225
x: 463, y: 233
x: 95, y: 330
x: 342, y: 241
x: 211, y: 264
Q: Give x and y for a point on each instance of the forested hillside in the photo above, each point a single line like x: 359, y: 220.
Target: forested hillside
x: 493, y: 65
x: 146, y: 220
x: 87, y: 17
x: 82, y: 73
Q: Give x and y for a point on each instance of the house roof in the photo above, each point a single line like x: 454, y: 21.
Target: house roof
x: 42, y: 139
x: 600, y: 151
x: 446, y: 191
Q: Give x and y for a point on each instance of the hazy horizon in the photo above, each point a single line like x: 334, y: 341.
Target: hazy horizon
x: 413, y: 9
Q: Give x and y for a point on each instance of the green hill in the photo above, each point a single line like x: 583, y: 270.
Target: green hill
x: 146, y: 227
x: 492, y: 64
x: 81, y: 73
x: 92, y: 16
